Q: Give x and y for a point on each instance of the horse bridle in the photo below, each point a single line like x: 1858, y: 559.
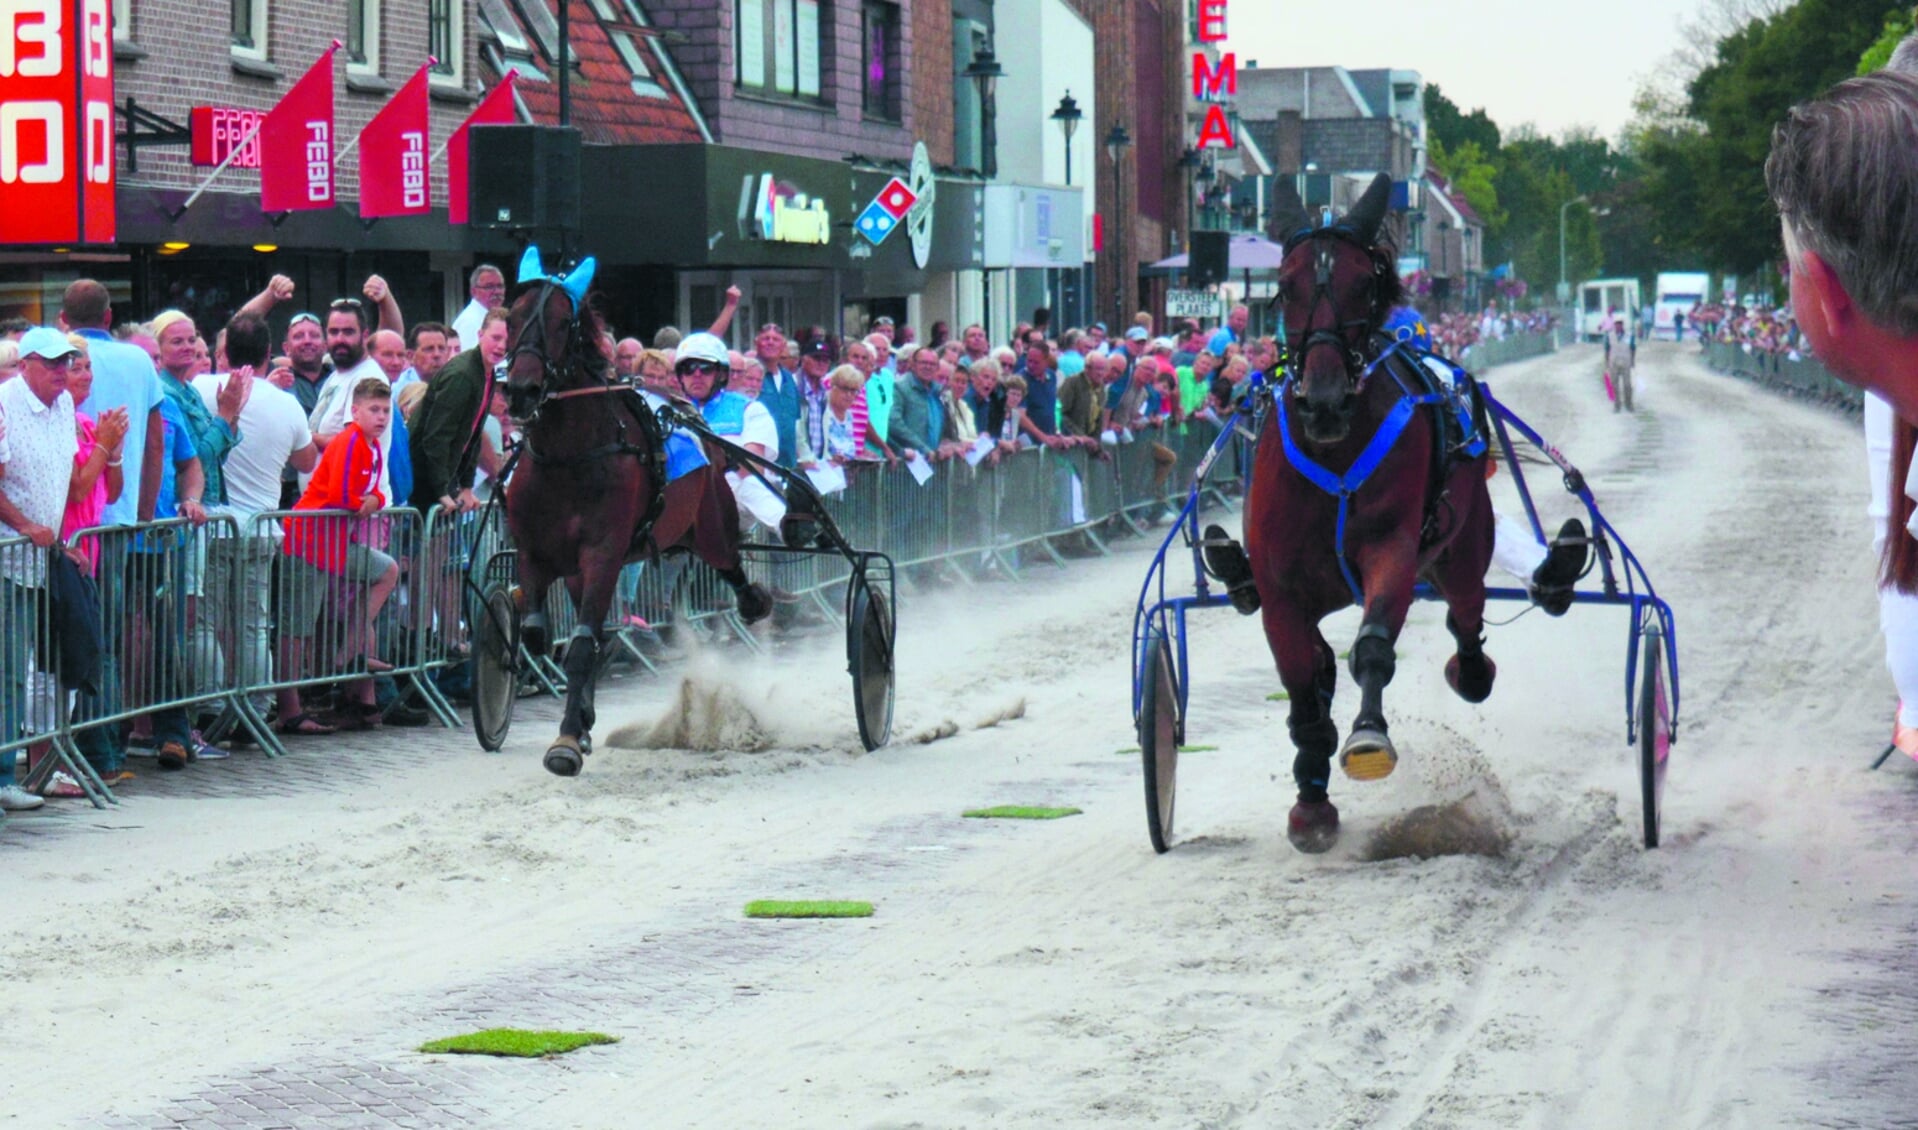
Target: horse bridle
x: 1340, y: 336
x: 532, y: 339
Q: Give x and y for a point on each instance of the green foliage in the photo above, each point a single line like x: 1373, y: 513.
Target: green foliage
x: 1019, y: 812
x: 516, y: 1042
x: 1445, y: 125
x: 811, y: 908
x: 1473, y: 176
x: 1897, y: 27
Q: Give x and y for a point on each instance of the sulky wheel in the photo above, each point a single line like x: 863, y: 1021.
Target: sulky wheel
x: 1159, y: 740
x: 495, y: 667
x: 1654, y: 730
x: 869, y: 639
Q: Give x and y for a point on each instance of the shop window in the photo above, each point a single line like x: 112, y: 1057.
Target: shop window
x: 777, y: 47
x: 446, y: 41
x: 625, y: 26
x: 122, y: 21
x: 363, y: 36
x: 879, y: 77
x: 247, y: 23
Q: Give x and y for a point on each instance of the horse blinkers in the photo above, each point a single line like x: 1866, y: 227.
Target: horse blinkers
x: 1327, y: 408
x: 527, y: 387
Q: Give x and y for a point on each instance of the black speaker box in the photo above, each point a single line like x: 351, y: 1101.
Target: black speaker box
x: 1211, y: 260
x: 522, y: 178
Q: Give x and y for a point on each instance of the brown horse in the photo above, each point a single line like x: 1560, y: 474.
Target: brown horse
x: 586, y: 497
x: 1422, y: 513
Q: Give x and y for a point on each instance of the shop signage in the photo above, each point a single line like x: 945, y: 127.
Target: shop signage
x: 1200, y: 304
x: 780, y: 213
x: 881, y: 217
x: 1212, y: 84
x: 216, y: 130
x: 919, y: 216
x: 56, y: 121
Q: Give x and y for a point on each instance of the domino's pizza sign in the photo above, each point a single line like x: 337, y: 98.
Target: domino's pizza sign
x: 886, y: 212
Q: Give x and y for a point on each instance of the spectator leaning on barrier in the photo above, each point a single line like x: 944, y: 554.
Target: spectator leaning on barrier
x: 985, y: 398
x: 36, y: 472
x: 918, y: 411
x: 426, y: 354
x: 1082, y: 403
x: 98, y: 475
x: 443, y: 459
x: 347, y: 330
x: 323, y: 548
x: 1040, y: 420
x: 779, y: 389
x: 881, y: 385
x: 842, y: 440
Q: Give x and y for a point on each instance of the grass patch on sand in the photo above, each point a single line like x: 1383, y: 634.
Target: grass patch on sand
x: 807, y: 908
x: 1279, y: 696
x: 516, y: 1042
x: 1019, y: 812
x: 1182, y: 749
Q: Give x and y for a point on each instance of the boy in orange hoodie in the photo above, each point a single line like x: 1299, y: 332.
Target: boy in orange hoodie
x: 325, y: 547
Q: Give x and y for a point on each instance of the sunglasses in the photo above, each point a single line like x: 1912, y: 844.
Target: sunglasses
x: 346, y: 304
x: 707, y: 367
x: 303, y: 316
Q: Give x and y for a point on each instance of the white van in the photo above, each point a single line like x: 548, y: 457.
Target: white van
x: 1596, y: 301
x: 1676, y: 293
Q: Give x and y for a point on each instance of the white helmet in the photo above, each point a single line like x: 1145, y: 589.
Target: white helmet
x: 703, y: 347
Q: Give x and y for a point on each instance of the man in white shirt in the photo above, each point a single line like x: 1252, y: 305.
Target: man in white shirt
x: 36, y: 413
x: 273, y: 435
x: 346, y: 344
x: 486, y: 287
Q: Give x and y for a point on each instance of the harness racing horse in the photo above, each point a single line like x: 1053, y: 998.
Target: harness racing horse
x: 590, y: 495
x: 1356, y: 496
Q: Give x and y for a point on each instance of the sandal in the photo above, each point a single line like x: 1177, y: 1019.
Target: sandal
x: 62, y: 786
x: 303, y: 726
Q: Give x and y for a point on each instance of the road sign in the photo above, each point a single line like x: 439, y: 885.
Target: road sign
x: 1200, y: 304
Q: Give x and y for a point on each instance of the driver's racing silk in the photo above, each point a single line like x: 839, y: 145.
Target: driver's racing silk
x: 726, y: 413
x: 684, y: 453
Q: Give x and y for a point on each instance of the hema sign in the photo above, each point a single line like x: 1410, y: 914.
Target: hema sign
x: 56, y: 121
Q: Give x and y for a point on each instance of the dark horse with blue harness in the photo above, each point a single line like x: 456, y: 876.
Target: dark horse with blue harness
x: 1369, y: 478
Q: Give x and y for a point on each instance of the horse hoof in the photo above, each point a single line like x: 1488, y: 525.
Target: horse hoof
x: 1368, y: 756
x: 1475, y: 684
x: 564, y: 758
x: 1313, y: 826
x: 755, y: 604
x: 532, y: 634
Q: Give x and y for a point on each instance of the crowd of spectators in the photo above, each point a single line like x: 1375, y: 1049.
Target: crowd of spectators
x: 1456, y: 334
x: 1766, y: 331
x: 105, y: 426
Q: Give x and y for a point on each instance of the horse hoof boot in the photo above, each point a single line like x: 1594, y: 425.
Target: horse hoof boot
x: 798, y: 531
x: 1565, y: 562
x: 532, y: 633
x: 1475, y: 684
x: 1225, y: 559
x: 1313, y: 826
x: 564, y: 758
x: 1368, y: 756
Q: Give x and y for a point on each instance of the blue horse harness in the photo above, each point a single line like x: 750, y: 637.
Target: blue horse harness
x: 1343, y: 487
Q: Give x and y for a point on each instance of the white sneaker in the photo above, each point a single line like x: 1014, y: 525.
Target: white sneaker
x: 13, y: 798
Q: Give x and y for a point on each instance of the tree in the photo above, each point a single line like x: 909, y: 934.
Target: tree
x: 1897, y: 27
x: 1445, y: 124
x: 1472, y: 176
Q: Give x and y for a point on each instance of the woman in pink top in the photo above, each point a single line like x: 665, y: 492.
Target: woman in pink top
x: 96, y: 466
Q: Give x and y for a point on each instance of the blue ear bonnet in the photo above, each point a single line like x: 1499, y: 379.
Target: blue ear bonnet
x: 574, y: 283
x: 1404, y: 324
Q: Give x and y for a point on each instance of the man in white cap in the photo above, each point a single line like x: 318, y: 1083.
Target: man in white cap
x: 38, y: 441
x: 703, y: 366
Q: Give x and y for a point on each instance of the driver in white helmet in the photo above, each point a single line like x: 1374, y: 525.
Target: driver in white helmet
x: 703, y: 368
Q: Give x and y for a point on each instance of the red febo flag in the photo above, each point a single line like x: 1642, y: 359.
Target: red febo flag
x: 296, y: 144
x: 393, y: 155
x: 496, y: 109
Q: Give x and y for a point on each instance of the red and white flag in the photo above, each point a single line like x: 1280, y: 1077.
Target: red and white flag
x: 393, y: 179
x: 296, y: 143
x: 496, y: 109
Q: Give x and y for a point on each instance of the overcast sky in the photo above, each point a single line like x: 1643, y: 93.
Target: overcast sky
x: 1547, y: 62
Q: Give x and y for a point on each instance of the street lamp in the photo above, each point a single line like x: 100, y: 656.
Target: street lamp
x: 985, y: 73
x: 1189, y: 161
x: 1565, y: 286
x: 1117, y: 142
x: 1068, y: 115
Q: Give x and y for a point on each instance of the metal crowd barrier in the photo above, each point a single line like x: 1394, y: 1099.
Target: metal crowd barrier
x: 33, y: 704
x: 1483, y: 355
x: 1805, y: 377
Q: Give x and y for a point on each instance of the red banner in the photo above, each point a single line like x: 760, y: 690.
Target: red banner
x: 496, y: 109
x: 215, y: 133
x: 393, y: 155
x: 56, y: 121
x: 296, y: 144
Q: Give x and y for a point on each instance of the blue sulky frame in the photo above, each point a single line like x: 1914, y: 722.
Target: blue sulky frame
x: 1623, y: 581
